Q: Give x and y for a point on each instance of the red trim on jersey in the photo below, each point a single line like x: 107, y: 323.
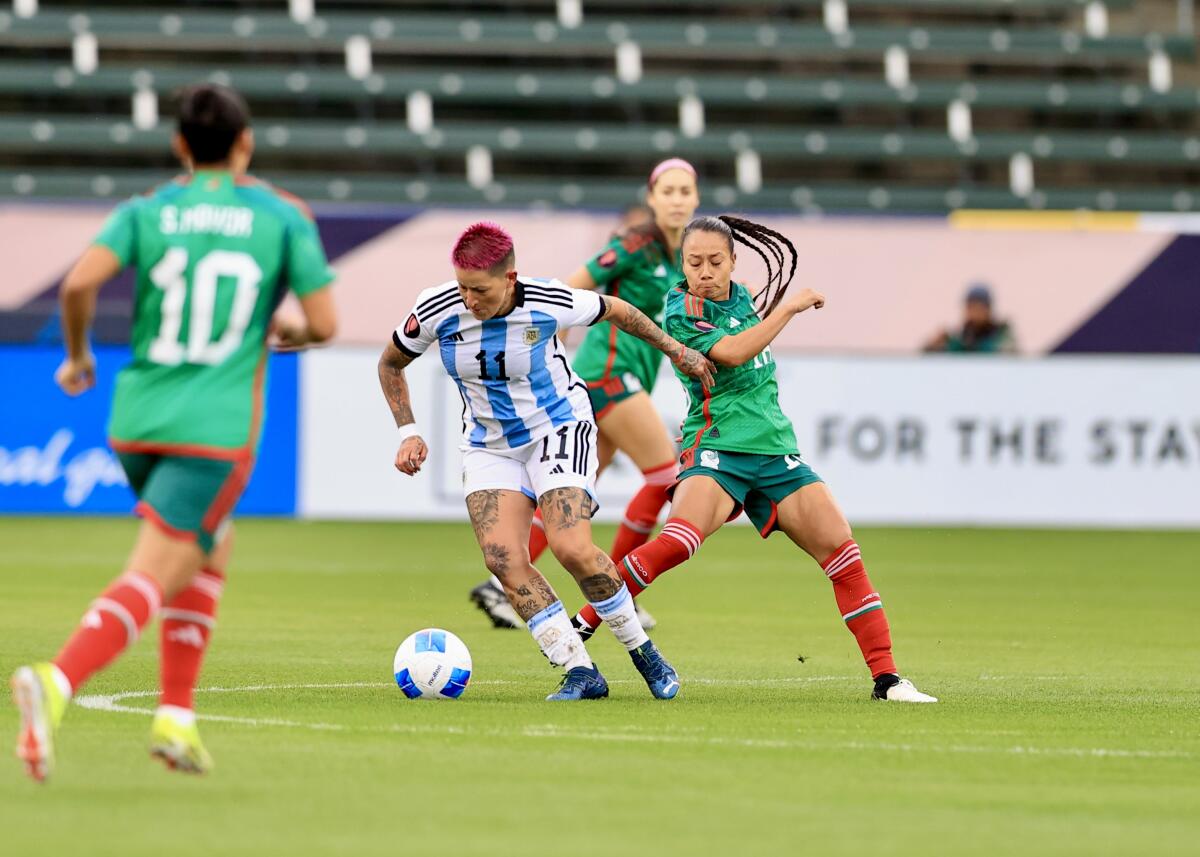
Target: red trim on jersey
x: 149, y: 513
x: 183, y: 450
x: 251, y: 181
x: 614, y: 287
x: 199, y: 450
x: 690, y: 452
x: 236, y: 482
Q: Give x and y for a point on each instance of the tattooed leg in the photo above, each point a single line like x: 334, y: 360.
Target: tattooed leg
x: 531, y: 595
x: 567, y: 520
x: 566, y: 514
x: 501, y: 520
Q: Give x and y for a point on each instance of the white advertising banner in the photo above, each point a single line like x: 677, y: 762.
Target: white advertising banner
x: 1088, y: 441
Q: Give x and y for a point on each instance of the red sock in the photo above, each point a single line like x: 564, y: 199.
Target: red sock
x: 642, y: 512
x: 187, y: 625
x: 861, y: 607
x: 537, y: 537
x: 112, y: 623
x: 677, y: 542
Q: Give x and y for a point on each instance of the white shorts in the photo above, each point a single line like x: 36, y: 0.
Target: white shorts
x: 565, y: 458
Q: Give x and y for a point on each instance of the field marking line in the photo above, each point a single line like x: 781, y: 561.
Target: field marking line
x: 114, y: 703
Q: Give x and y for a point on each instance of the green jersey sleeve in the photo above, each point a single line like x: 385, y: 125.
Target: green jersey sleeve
x: 119, y: 232
x: 694, y: 324
x: 620, y: 255
x: 308, y: 268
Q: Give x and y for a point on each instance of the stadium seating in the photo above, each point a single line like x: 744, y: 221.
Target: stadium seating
x: 911, y: 103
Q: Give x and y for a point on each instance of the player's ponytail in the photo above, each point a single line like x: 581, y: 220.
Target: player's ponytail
x: 776, y: 251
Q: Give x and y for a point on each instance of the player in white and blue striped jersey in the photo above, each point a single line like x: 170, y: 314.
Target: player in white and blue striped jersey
x: 528, y: 438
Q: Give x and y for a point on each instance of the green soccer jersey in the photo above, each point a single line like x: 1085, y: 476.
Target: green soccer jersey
x: 637, y: 268
x: 214, y: 255
x: 740, y: 413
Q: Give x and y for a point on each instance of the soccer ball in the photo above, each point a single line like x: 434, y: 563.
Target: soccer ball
x: 432, y: 664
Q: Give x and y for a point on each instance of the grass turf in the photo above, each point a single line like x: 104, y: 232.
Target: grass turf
x: 1066, y: 663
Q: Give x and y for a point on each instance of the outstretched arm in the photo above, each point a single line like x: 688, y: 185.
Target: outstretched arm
x: 738, y: 349
x: 582, y: 279
x: 77, y: 299
x: 636, y: 323
x: 413, y: 451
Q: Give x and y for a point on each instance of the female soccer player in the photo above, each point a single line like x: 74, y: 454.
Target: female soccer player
x: 741, y: 450
x: 187, y: 410
x: 639, y: 265
x: 528, y: 439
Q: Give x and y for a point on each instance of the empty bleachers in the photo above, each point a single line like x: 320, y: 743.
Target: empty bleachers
x: 912, y: 104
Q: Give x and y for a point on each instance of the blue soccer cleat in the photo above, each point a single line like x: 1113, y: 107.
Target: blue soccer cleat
x: 580, y: 683
x: 660, y: 676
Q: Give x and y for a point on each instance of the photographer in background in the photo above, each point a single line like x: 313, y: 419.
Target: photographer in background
x: 981, y: 332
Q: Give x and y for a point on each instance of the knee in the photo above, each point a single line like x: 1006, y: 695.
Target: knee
x: 576, y: 555
x: 501, y: 558
x: 831, y: 542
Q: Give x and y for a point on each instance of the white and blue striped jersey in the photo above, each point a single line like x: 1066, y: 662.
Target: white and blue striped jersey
x: 512, y: 372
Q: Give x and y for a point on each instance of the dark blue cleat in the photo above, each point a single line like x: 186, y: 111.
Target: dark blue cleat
x: 580, y: 683
x: 660, y: 676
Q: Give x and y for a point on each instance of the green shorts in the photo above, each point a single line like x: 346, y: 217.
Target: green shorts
x: 187, y: 497
x: 757, y: 483
x: 605, y: 394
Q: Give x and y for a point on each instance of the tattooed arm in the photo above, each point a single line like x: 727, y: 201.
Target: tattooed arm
x: 413, y: 451
x: 636, y: 323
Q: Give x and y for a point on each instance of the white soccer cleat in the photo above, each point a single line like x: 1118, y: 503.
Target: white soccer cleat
x: 647, y: 620
x: 905, y: 691
x: 41, y: 705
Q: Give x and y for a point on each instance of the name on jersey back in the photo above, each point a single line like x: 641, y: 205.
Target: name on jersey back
x: 231, y: 221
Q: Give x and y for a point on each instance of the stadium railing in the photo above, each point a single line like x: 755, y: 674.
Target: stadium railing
x: 595, y: 36
x: 612, y: 191
x: 449, y: 84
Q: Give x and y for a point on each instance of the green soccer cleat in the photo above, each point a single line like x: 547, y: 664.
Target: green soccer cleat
x: 41, y: 705
x: 178, y: 745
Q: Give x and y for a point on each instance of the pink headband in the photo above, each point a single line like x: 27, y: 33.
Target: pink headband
x: 669, y: 164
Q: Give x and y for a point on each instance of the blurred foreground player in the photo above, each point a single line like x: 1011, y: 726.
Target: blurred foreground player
x: 216, y: 252
x: 741, y: 450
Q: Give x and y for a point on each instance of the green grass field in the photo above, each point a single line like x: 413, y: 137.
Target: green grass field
x: 1066, y: 662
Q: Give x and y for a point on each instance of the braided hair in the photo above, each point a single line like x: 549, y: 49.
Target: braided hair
x: 772, y: 247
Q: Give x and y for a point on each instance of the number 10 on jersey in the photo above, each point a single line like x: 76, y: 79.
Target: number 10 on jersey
x: 201, y: 299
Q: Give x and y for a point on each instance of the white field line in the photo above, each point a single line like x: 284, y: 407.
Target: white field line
x: 619, y: 734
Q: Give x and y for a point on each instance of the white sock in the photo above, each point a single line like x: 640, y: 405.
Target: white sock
x: 497, y: 582
x: 61, y: 681
x: 557, y: 639
x: 620, y: 615
x: 182, y: 716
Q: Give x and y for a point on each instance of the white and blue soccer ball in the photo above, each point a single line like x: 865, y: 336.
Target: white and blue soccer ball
x: 432, y: 664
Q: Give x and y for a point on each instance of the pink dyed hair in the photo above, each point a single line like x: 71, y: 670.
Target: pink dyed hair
x: 669, y: 164
x: 481, y: 247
